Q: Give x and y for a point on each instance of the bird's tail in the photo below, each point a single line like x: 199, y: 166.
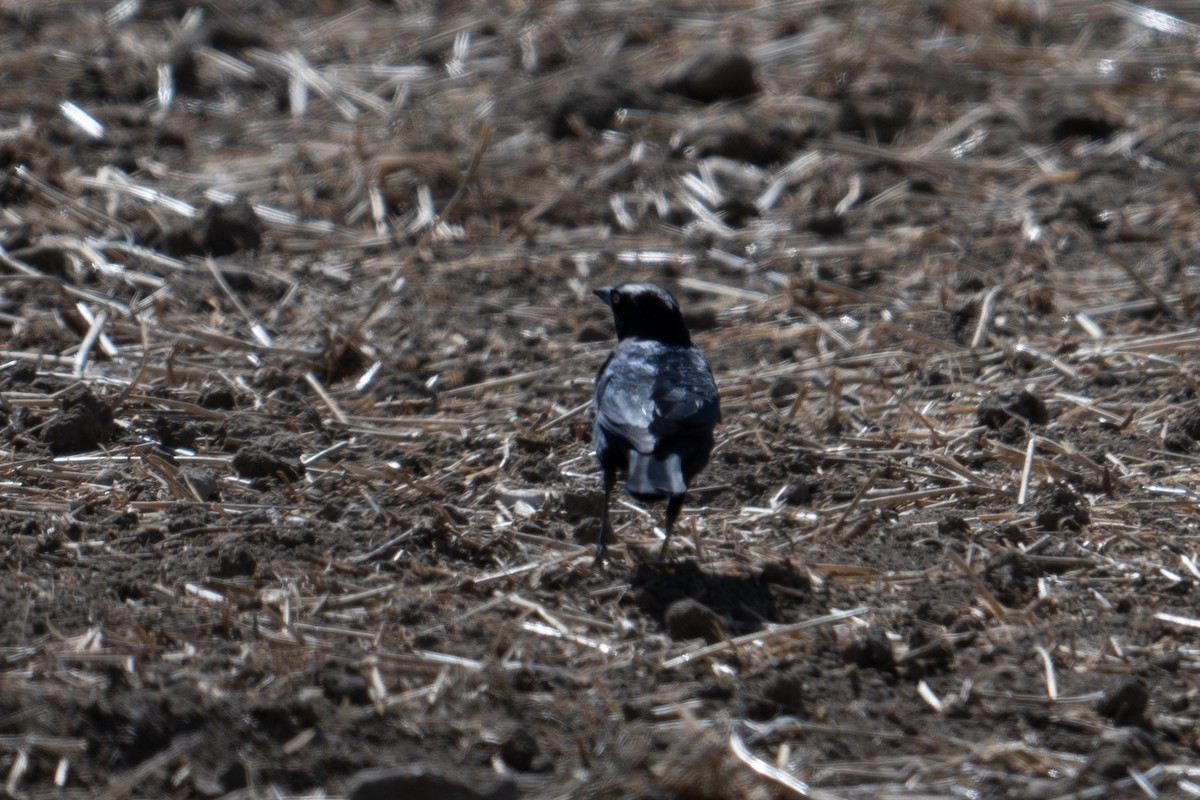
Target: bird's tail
x: 655, y: 476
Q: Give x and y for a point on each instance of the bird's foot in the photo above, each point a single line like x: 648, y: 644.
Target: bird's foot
x: 662, y: 554
x: 606, y: 536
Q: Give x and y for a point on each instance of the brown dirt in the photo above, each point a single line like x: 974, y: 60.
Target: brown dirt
x: 297, y: 477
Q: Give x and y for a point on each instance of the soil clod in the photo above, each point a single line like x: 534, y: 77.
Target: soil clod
x: 712, y: 75
x: 84, y: 423
x: 998, y: 408
x: 1062, y: 509
x: 276, y: 455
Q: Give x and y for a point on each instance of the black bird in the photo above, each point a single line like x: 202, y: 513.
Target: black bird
x: 656, y: 403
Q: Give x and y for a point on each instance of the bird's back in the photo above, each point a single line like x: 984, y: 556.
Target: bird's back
x: 658, y: 401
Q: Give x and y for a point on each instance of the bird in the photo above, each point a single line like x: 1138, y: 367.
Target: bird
x: 656, y: 404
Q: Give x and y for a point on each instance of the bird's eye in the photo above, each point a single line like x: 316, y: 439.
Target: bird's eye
x: 615, y: 297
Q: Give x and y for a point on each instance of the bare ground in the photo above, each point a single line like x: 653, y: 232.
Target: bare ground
x: 299, y: 343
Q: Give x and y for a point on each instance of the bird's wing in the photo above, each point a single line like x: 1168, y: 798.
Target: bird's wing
x: 644, y: 394
x: 685, y: 396
x: 623, y: 405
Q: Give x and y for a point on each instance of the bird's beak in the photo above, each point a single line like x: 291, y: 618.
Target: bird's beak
x: 604, y: 294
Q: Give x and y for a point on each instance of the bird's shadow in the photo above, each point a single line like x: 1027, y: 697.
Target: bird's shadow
x: 744, y: 603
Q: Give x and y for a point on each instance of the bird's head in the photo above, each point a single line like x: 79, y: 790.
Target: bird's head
x: 645, y: 311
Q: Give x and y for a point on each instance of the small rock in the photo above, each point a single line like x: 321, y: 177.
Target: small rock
x: 184, y: 67
x: 881, y: 116
x: 232, y: 37
x: 186, y: 516
x: 785, y: 574
x: 582, y: 505
x: 827, y: 224
x: 591, y: 103
x: 1186, y: 424
x: 234, y: 777
x: 953, y: 526
x: 1062, y: 509
x: 218, y: 396
x: 788, y: 691
x: 225, y: 230
x: 587, y: 531
x: 713, y: 75
x: 801, y: 494
x: 1177, y: 443
x: 872, y: 651
x: 782, y: 692
x: 423, y: 782
x: 333, y: 510
x: 178, y: 242
x: 270, y: 456
x: 1013, y: 433
x: 234, y: 560
x: 691, y: 619
x: 16, y: 375
x: 927, y: 653
x: 1120, y: 751
x: 108, y: 476
x: 340, y: 681
x: 1127, y: 704
x: 49, y: 260
x: 1083, y: 126
x: 1011, y: 577
x: 1000, y: 406
x: 242, y: 426
x: 175, y: 432
x: 85, y: 422
x: 203, y: 481
x: 783, y: 388
x: 592, y: 333
x: 519, y: 750
x: 761, y: 142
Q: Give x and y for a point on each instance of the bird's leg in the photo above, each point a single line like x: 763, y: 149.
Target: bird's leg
x: 610, y: 480
x: 674, y: 504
